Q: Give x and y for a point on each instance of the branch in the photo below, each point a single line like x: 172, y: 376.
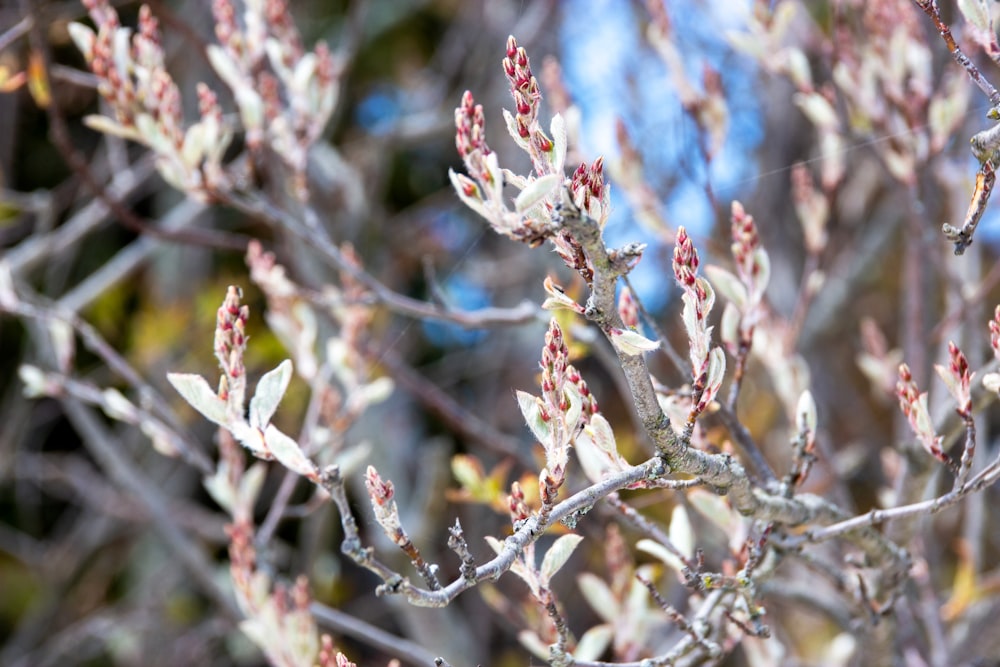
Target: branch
x: 721, y: 471
x: 527, y: 533
x: 930, y: 7
x: 314, y: 236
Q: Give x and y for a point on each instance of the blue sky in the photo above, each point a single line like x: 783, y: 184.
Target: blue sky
x: 627, y: 79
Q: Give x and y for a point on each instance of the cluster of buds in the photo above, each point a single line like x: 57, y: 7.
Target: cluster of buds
x: 381, y: 494
x: 589, y: 191
x: 812, y: 207
x: 483, y: 191
x: 589, y: 195
x: 517, y: 505
x: 470, y: 138
x: 523, y: 125
x: 277, y: 617
x: 226, y: 407
x: 147, y: 103
x: 958, y: 379
x: 230, y: 346
x: 287, y: 105
x: 628, y: 308
x: 556, y: 418
x: 708, y: 364
x: 913, y: 403
x: 744, y: 291
x: 531, y: 221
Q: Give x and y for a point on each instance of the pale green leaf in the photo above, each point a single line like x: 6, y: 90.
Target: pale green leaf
x: 195, y: 390
x: 270, y: 390
x: 727, y: 284
x: 536, y: 192
x: 594, y: 642
x: 598, y: 595
x: 288, y: 452
x: 558, y: 554
x: 531, y: 410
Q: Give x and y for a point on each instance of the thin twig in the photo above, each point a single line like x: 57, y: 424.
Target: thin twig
x: 313, y: 235
x: 60, y: 136
x: 930, y: 7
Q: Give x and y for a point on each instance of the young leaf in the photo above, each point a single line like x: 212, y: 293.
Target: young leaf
x: 270, y: 390
x: 558, y: 554
x: 727, y: 284
x: 594, y: 642
x: 603, y: 436
x: 288, y: 452
x: 575, y: 408
x: 195, y: 390
x: 116, y: 406
x: 598, y: 595
x: 559, y: 143
x: 531, y: 409
x: 536, y: 191
x: 659, y: 551
x: 631, y: 343
x: 681, y: 533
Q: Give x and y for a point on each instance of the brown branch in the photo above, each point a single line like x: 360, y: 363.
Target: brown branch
x: 930, y: 7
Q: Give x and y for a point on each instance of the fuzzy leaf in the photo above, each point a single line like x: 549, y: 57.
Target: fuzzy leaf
x: 762, y: 265
x: 530, y: 640
x: 558, y: 554
x: 517, y: 567
x: 575, y: 408
x: 991, y: 382
x: 531, y: 409
x: 716, y: 374
x: 162, y: 439
x: 220, y: 488
x: 467, y: 470
x: 288, y: 452
x: 559, y: 142
x: 729, y: 330
x: 377, y: 390
x: 34, y: 380
x: 195, y: 390
x: 536, y: 192
x: 511, y: 123
x: 350, y: 459
x: 602, y: 434
x: 631, y: 343
x: 976, y: 12
x: 817, y: 109
x: 251, y: 438
x: 598, y: 595
x: 495, y: 544
x: 727, y: 284
x: 250, y: 486
x: 270, y: 390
